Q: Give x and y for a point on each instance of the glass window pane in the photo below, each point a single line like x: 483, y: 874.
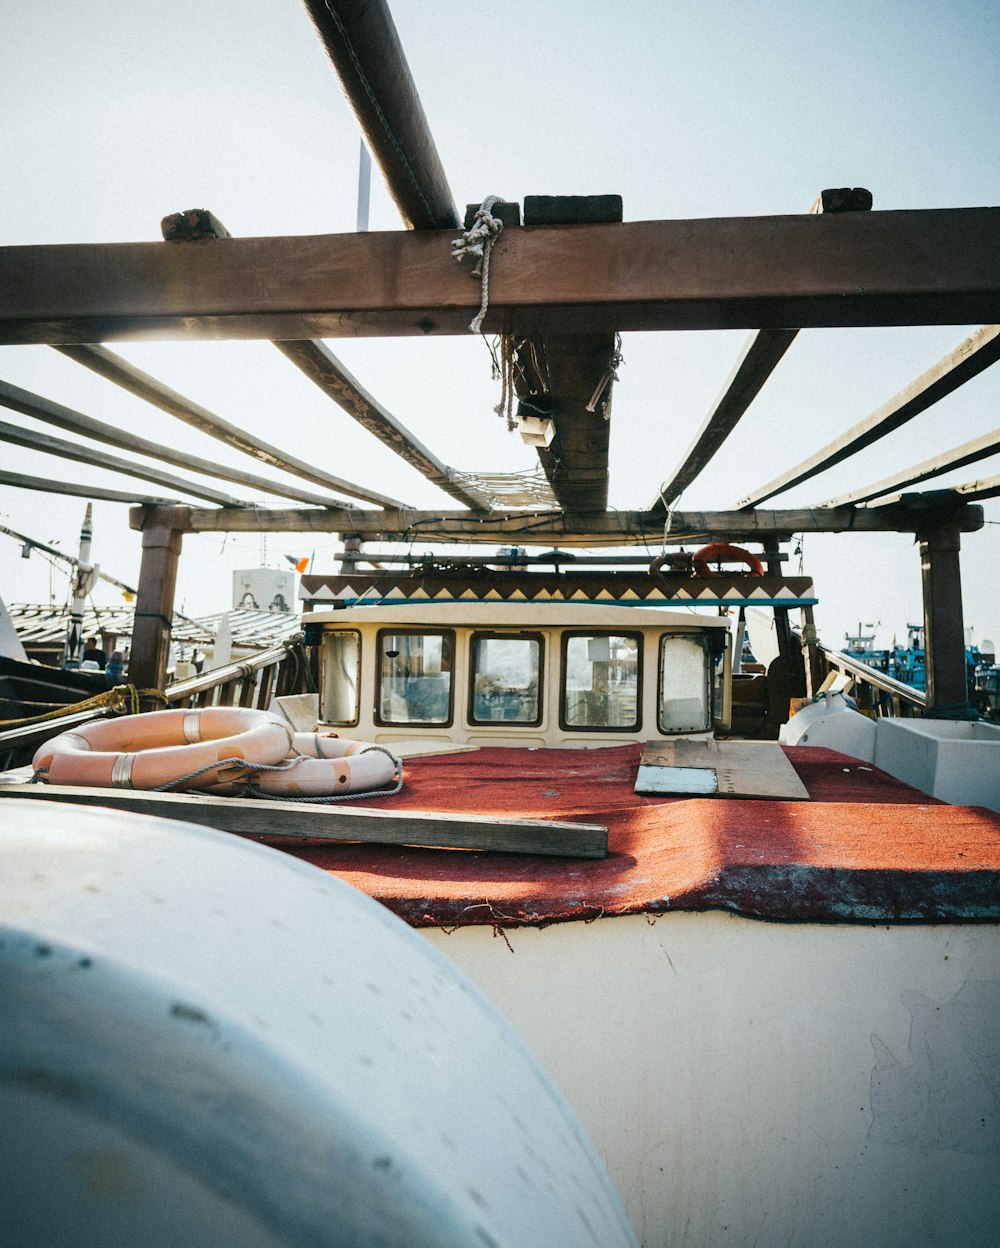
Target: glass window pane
x: 685, y: 704
x: 505, y: 673
x: 601, y: 688
x: 415, y: 678
x: 341, y: 663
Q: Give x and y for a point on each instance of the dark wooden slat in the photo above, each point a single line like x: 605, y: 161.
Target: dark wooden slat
x: 615, y: 528
x: 323, y: 368
x: 154, y: 603
x: 924, y: 267
x: 69, y: 450
x: 759, y: 358
x: 295, y: 820
x: 968, y: 453
x: 988, y: 487
x: 365, y: 50
x: 49, y: 486
x: 35, y: 405
x: 968, y: 360
x: 114, y: 368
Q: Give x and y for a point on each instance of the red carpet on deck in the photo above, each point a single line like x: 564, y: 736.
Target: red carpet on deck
x: 866, y: 848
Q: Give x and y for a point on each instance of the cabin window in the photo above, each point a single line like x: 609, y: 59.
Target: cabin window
x: 601, y: 679
x: 685, y: 700
x: 341, y: 678
x: 414, y: 677
x: 506, y: 679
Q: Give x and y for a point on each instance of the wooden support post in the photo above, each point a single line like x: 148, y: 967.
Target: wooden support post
x: 814, y: 672
x: 162, y: 529
x: 944, y: 627
x: 786, y: 675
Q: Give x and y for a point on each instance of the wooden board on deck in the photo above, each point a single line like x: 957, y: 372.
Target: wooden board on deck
x: 743, y: 768
x: 271, y: 819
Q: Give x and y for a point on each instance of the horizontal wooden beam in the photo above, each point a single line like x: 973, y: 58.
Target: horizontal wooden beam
x: 554, y: 528
x: 47, y: 485
x: 958, y: 457
x: 939, y: 266
x: 52, y: 413
x: 113, y: 367
x: 758, y: 360
x: 978, y: 352
x: 275, y: 820
x: 101, y: 459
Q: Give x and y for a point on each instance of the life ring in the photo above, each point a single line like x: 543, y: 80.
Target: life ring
x: 318, y: 765
x: 721, y: 550
x: 156, y: 749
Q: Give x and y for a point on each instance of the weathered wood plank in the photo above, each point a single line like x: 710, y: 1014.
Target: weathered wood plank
x: 968, y: 360
x: 615, y: 528
x: 272, y: 820
x: 52, y: 413
x: 47, y: 485
x: 750, y: 770
x: 939, y: 266
x: 115, y: 368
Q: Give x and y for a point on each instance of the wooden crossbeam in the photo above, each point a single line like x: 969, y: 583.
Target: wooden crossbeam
x: 115, y: 368
x: 70, y: 450
x: 76, y: 422
x: 968, y: 360
x: 365, y: 50
x: 968, y: 453
x: 47, y: 485
x: 758, y: 360
x: 612, y: 528
x: 925, y: 267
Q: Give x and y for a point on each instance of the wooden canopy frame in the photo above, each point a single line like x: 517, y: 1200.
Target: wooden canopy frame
x: 559, y: 293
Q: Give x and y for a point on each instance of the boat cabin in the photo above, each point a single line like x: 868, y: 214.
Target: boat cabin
x: 520, y: 674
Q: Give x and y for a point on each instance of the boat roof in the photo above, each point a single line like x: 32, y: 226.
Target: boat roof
x: 491, y: 614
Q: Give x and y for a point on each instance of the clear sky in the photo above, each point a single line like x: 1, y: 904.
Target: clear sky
x: 118, y: 112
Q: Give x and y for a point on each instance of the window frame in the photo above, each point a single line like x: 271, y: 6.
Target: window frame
x: 324, y: 638
x: 501, y: 635
x: 449, y: 636
x: 706, y: 645
x: 567, y: 635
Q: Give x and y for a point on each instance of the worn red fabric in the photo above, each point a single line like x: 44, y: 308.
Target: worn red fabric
x: 866, y: 848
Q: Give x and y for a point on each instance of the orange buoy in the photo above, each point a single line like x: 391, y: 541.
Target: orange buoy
x: 160, y: 748
x: 722, y: 550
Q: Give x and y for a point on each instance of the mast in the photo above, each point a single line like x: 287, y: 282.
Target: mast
x: 83, y: 583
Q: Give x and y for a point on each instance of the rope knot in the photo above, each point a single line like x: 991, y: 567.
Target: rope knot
x: 478, y: 241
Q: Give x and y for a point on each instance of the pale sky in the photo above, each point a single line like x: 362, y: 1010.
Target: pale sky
x: 118, y: 112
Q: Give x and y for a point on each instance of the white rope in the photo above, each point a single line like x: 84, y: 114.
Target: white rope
x: 478, y: 241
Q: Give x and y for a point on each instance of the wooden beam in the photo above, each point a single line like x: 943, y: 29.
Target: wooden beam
x: 968, y: 453
x: 69, y: 450
x: 47, y: 485
x: 365, y: 50
x: 880, y: 268
x: 611, y: 528
x: 758, y: 360
x: 29, y: 404
x: 988, y: 487
x: 115, y: 368
x: 968, y: 360
x: 154, y: 603
x: 275, y: 820
x: 944, y: 627
x: 323, y: 368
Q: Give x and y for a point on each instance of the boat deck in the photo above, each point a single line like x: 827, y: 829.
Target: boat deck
x: 865, y: 849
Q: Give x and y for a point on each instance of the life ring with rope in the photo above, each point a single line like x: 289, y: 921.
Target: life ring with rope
x: 162, y: 748
x: 217, y: 750
x: 717, y: 551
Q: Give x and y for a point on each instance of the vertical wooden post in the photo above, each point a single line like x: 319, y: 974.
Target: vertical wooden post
x: 814, y: 673
x: 162, y: 529
x: 944, y: 627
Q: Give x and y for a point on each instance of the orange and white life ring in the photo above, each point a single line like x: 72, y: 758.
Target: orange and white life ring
x: 157, y: 749
x: 721, y: 550
x: 319, y: 765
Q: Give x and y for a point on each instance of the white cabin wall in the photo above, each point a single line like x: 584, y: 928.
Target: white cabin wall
x: 760, y: 1083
